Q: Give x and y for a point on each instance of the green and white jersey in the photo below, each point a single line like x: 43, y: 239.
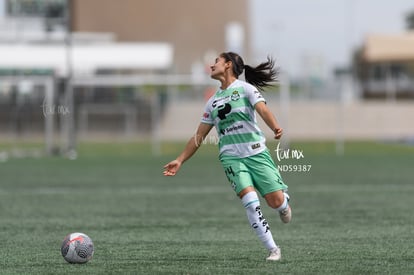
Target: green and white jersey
x: 232, y: 112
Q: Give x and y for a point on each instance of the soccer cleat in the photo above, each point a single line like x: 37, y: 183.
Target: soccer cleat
x: 274, y: 255
x: 286, y: 215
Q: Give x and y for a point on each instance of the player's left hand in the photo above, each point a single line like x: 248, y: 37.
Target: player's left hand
x: 278, y: 133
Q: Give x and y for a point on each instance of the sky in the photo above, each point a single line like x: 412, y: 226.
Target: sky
x: 316, y: 36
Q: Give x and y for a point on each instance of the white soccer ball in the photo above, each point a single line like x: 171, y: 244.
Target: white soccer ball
x: 77, y: 248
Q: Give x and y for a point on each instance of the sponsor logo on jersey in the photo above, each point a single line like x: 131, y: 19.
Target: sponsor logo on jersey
x: 219, y: 100
x: 258, y: 94
x: 255, y: 146
x: 233, y: 128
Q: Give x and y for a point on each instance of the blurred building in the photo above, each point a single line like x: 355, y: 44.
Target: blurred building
x: 32, y: 21
x: 196, y: 29
x: 385, y: 66
x: 116, y: 54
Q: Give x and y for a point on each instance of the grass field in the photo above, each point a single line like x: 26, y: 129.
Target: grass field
x: 351, y: 214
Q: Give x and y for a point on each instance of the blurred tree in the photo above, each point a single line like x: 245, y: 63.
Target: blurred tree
x: 409, y: 20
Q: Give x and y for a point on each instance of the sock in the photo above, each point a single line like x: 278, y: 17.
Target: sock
x: 252, y: 205
x: 284, y: 204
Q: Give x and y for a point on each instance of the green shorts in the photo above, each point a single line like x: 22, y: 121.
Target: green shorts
x: 258, y: 171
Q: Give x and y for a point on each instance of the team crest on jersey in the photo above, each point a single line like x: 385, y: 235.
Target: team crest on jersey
x: 235, y: 96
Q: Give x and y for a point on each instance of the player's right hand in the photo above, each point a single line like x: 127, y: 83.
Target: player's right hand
x: 171, y: 168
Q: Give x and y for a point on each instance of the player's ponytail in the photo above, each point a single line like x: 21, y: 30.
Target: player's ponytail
x: 260, y: 76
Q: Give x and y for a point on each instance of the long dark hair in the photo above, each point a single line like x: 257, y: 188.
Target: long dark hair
x: 260, y: 76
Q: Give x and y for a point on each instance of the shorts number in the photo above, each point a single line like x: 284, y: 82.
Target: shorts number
x: 229, y: 172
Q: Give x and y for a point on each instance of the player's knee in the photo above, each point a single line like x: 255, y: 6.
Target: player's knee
x: 275, y: 200
x: 275, y: 203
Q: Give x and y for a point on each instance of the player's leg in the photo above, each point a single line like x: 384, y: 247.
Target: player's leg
x: 270, y: 185
x: 279, y: 200
x: 251, y: 203
x: 241, y: 181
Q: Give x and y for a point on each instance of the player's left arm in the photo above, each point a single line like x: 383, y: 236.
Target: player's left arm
x: 269, y: 118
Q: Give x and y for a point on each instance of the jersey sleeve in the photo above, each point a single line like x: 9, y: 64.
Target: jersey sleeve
x: 207, y: 118
x: 254, y: 95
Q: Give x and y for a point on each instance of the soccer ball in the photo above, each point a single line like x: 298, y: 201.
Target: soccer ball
x: 77, y: 248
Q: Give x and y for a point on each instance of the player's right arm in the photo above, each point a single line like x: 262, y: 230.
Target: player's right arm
x: 171, y: 168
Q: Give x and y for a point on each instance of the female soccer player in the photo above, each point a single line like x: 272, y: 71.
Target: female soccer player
x: 243, y: 152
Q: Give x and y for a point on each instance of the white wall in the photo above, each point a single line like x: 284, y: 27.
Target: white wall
x: 311, y: 120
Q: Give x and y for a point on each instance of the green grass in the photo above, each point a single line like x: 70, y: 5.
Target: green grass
x: 351, y: 214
